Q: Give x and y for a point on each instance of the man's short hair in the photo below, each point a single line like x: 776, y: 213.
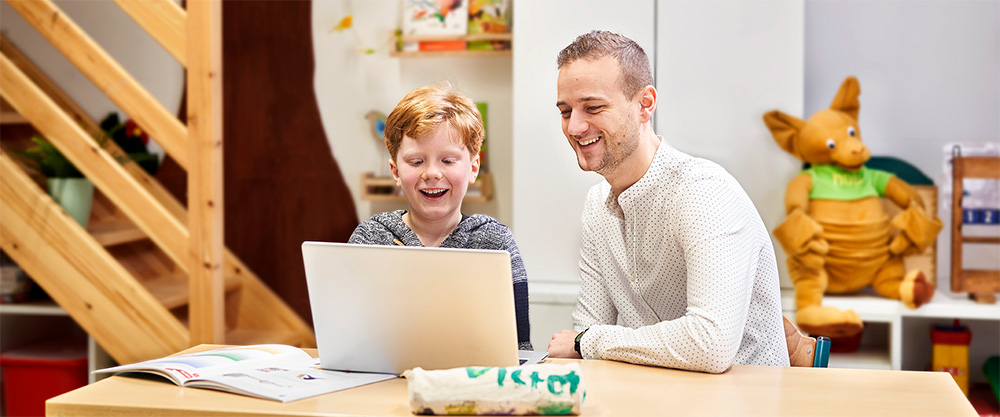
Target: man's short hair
x: 632, y: 60
x: 427, y: 108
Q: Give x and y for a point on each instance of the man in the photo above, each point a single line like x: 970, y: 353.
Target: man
x: 677, y: 269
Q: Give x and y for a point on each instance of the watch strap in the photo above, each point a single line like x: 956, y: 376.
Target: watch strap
x: 576, y: 342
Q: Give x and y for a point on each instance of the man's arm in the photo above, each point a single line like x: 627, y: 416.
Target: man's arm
x: 594, y: 304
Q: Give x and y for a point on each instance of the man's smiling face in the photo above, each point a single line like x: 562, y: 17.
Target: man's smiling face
x: 600, y: 123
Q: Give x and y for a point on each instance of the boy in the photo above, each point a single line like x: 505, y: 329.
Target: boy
x: 433, y: 136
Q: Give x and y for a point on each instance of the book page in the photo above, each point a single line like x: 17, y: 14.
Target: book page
x: 183, y: 368
x: 286, y: 382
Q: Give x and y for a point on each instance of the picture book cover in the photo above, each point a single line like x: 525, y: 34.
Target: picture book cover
x: 274, y: 372
x: 435, y: 17
x: 489, y: 16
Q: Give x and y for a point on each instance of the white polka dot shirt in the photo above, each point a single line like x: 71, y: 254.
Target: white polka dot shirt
x: 679, y: 272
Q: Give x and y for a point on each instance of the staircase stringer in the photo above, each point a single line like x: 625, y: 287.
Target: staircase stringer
x: 80, y: 275
x: 259, y: 307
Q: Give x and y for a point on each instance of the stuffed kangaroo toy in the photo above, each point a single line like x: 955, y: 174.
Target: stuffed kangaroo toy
x: 837, y: 235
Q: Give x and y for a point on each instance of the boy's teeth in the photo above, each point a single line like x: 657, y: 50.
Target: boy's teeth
x: 590, y: 141
x: 435, y: 191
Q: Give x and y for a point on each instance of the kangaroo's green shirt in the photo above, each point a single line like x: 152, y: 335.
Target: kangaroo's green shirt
x: 832, y: 183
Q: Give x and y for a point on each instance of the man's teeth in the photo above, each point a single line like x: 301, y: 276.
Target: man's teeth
x: 590, y: 141
x: 434, y: 191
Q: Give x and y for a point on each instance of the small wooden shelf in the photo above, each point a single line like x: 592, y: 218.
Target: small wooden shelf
x: 461, y: 53
x: 983, y: 285
x: 465, y: 53
x: 34, y: 308
x: 480, y: 192
x: 12, y: 118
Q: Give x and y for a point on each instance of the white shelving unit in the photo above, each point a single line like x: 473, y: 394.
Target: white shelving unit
x: 891, y: 317
x: 28, y: 322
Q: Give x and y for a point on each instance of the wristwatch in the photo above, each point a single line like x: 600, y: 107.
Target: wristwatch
x: 576, y: 342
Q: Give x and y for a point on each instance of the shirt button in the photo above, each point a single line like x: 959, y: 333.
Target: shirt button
x: 632, y: 277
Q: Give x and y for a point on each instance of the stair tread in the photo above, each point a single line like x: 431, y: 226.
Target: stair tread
x: 172, y: 291
x: 115, y: 231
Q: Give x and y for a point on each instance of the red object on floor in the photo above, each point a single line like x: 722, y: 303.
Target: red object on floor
x: 36, y: 372
x: 983, y: 400
x: 846, y: 344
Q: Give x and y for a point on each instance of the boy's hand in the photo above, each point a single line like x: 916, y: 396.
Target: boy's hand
x: 562, y: 345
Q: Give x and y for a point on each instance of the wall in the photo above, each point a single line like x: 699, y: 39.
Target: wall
x: 120, y: 36
x: 350, y: 83
x: 929, y: 74
x: 706, y: 107
x: 721, y: 66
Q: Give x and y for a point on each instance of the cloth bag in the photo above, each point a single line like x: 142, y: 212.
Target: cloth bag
x: 546, y: 389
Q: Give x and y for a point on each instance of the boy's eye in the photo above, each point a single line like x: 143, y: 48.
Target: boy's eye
x: 416, y: 162
x: 448, y: 161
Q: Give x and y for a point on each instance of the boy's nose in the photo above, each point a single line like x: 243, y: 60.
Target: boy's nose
x: 432, y: 172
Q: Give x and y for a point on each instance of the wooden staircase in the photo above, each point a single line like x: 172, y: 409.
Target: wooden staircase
x: 147, y: 277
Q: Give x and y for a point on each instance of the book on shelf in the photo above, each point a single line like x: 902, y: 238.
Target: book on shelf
x: 274, y: 372
x: 427, y: 46
x: 484, y: 165
x: 423, y: 17
x: 489, y: 17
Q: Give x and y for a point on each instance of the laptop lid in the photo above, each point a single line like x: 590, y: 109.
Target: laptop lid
x: 392, y: 308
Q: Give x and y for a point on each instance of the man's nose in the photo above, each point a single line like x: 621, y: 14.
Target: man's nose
x: 576, y: 125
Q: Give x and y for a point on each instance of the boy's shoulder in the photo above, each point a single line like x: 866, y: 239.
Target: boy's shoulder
x: 481, y: 224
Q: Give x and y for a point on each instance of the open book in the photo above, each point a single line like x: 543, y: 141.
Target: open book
x: 274, y: 372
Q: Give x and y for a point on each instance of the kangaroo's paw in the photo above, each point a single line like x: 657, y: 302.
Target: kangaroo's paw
x: 828, y: 321
x: 915, y: 290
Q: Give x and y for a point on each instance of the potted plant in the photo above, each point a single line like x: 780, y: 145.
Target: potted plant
x: 131, y: 139
x: 65, y: 183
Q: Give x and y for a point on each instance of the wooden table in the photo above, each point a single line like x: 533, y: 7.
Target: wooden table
x: 613, y: 389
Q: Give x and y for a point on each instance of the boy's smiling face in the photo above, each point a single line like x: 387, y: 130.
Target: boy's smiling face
x: 434, y: 172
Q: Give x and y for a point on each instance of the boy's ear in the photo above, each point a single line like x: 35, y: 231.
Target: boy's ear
x: 785, y: 129
x: 847, y: 97
x: 395, y: 172
x: 647, y: 103
x: 475, y: 169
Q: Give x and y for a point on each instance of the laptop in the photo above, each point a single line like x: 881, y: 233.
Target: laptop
x: 391, y: 308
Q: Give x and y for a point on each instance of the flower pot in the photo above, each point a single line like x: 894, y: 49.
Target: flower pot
x: 74, y: 195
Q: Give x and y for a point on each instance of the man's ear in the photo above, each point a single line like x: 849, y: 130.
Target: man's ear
x: 475, y: 169
x: 647, y: 103
x: 847, y: 97
x: 785, y: 129
x: 395, y: 172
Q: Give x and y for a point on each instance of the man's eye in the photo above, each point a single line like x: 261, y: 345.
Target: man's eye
x: 565, y: 113
x: 593, y: 109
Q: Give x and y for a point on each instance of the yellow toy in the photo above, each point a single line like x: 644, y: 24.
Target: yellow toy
x: 837, y: 235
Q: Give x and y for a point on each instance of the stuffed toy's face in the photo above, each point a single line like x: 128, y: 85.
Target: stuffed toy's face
x: 832, y: 137
x: 829, y: 137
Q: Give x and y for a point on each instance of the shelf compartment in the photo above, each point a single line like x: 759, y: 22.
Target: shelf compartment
x: 480, y: 192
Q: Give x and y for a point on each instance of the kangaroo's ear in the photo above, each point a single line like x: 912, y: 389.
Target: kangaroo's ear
x: 847, y: 98
x: 785, y: 129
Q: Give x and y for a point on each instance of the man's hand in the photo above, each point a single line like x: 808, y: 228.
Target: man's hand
x: 562, y: 346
